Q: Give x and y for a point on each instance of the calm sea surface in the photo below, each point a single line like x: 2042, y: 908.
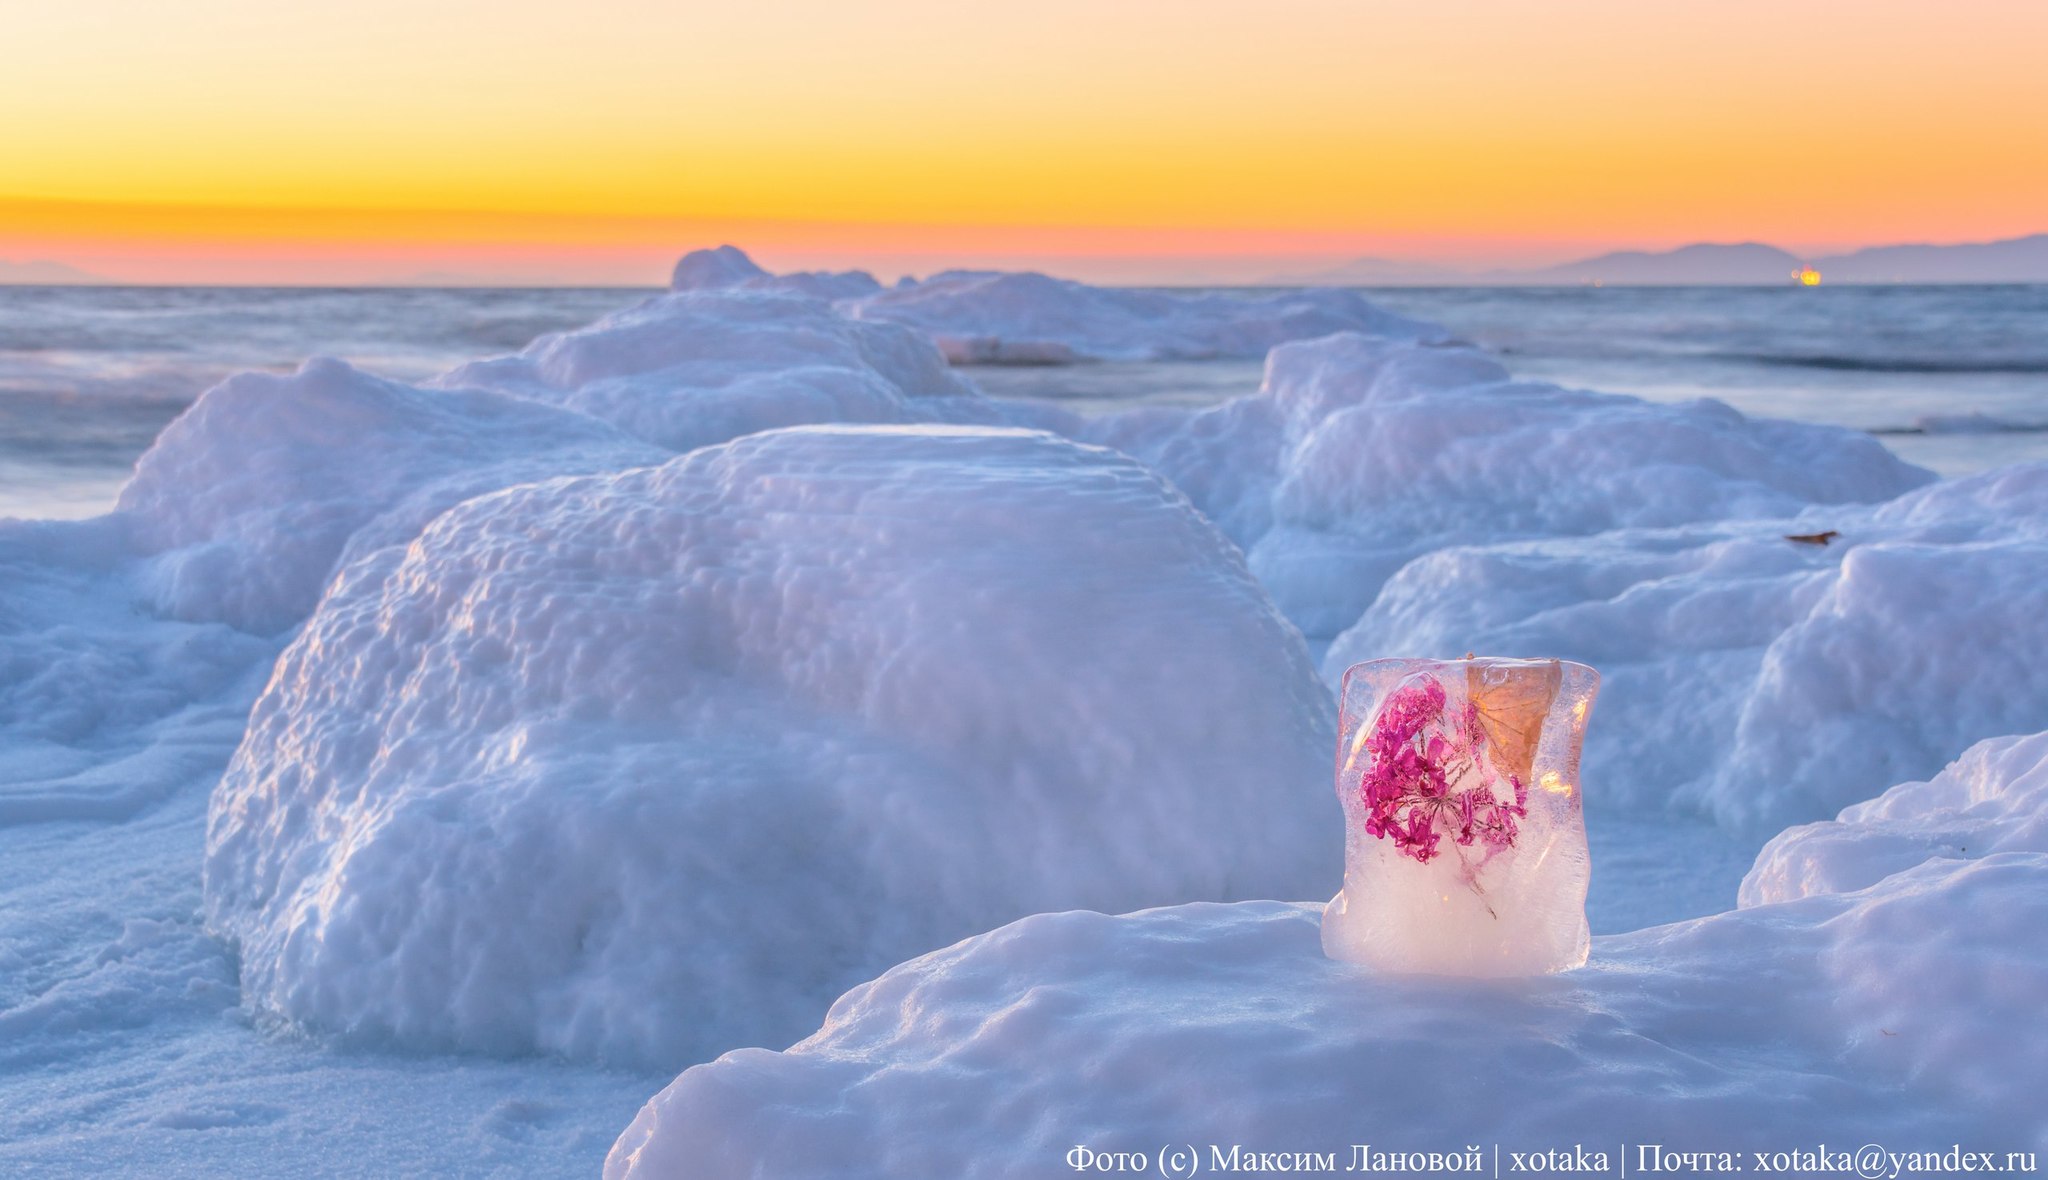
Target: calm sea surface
x: 1954, y: 378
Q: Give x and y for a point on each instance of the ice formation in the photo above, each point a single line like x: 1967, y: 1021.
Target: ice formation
x: 1994, y: 799
x: 249, y: 499
x: 640, y: 767
x: 1885, y: 1014
x: 1763, y: 680
x: 726, y: 268
x: 1464, y: 833
x: 997, y: 317
x: 1008, y: 317
x: 701, y: 366
x: 1359, y: 454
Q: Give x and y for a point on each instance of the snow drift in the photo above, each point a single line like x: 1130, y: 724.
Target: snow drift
x: 1764, y: 680
x: 1882, y: 1014
x: 1359, y: 454
x: 643, y: 766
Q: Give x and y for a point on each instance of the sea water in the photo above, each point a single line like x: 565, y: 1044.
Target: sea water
x: 1954, y: 378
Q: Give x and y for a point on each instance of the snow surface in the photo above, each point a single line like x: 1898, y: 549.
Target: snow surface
x: 640, y: 767
x: 1756, y: 679
x: 1890, y: 1013
x: 1359, y: 454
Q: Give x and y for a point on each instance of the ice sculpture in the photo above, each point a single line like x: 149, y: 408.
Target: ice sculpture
x: 1465, y: 841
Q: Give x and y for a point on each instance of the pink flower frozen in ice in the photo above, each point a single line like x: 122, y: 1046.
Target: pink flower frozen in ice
x: 1427, y: 777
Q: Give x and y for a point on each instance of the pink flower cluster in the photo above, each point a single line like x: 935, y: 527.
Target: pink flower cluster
x: 1429, y: 778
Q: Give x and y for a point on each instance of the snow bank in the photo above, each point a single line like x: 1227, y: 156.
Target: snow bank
x: 1993, y: 799
x: 699, y: 367
x: 251, y: 497
x: 1359, y: 454
x: 1001, y: 317
x: 1764, y: 680
x: 1887, y: 1015
x: 644, y: 766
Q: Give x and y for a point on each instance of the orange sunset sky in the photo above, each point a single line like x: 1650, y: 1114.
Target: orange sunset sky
x: 541, y: 141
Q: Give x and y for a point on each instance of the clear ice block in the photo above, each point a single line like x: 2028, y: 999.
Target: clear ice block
x: 1465, y: 838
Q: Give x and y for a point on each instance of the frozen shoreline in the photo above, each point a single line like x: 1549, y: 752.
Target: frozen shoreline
x: 457, y: 567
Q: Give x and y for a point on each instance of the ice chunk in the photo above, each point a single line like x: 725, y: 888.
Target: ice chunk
x: 1465, y: 842
x: 645, y: 766
x: 250, y: 498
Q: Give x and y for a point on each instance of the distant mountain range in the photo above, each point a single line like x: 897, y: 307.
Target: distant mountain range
x: 36, y: 273
x: 2014, y: 260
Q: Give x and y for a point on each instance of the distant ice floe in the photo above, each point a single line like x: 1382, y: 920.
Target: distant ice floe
x: 1008, y: 317
x: 1883, y: 1011
x: 640, y: 767
x: 1360, y: 454
x: 1761, y: 679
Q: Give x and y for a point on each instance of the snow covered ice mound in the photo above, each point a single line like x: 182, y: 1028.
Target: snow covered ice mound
x: 725, y: 268
x: 1762, y: 680
x: 703, y: 366
x: 251, y: 497
x: 1993, y: 799
x: 645, y: 766
x: 1886, y: 1014
x: 1358, y: 454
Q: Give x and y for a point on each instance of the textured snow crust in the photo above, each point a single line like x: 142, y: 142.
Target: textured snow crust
x: 1760, y: 680
x: 1359, y: 454
x: 1887, y: 1013
x: 644, y: 766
